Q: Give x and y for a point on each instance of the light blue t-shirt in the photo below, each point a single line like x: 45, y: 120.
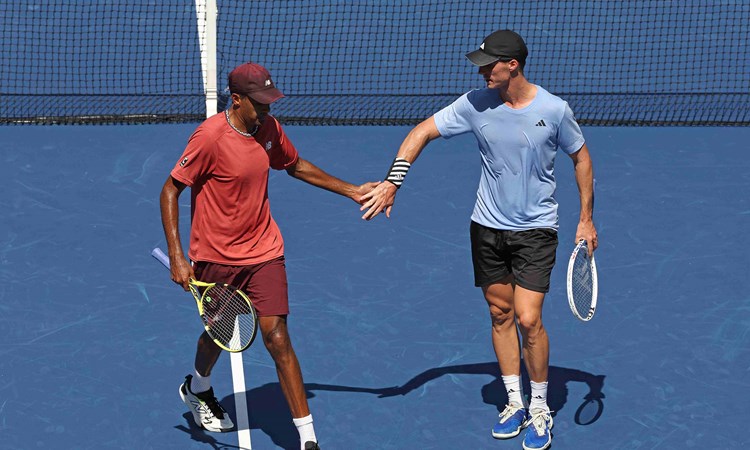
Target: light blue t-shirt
x: 518, y: 148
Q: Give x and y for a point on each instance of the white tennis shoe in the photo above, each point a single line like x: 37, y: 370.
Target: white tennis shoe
x: 207, y: 412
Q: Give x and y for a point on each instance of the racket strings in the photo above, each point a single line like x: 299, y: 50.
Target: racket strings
x: 229, y: 316
x: 582, y: 283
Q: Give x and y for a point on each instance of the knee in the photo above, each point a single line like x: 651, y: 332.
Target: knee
x: 530, y: 324
x: 277, y: 341
x: 502, y: 317
x: 206, y: 345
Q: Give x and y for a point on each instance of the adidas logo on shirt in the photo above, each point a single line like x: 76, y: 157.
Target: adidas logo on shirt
x: 541, y: 123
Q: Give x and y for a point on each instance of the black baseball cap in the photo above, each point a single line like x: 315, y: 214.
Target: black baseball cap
x: 502, y: 44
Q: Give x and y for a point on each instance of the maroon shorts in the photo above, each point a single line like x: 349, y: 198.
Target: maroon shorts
x: 265, y: 283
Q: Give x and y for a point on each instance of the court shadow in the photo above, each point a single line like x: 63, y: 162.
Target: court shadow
x: 198, y: 434
x: 493, y: 393
x: 272, y: 416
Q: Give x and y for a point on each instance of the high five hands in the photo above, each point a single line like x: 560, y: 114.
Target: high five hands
x: 380, y: 199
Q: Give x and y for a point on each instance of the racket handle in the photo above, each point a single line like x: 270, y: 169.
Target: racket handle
x: 163, y: 258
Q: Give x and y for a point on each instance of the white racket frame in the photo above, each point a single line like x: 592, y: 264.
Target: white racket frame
x: 594, y: 285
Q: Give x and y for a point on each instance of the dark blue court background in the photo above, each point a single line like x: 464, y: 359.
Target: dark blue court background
x: 392, y: 336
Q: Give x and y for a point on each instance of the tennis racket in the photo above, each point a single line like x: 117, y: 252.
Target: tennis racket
x: 582, y: 282
x: 227, y: 313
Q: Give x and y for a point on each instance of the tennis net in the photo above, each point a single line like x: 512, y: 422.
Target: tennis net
x: 373, y: 61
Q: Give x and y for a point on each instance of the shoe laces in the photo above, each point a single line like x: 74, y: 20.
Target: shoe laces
x: 216, y: 408
x: 509, y: 411
x: 540, y: 419
x: 213, y: 404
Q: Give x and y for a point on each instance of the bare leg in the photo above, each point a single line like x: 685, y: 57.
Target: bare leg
x: 279, y: 345
x: 206, y: 355
x: 528, y: 306
x: 499, y: 298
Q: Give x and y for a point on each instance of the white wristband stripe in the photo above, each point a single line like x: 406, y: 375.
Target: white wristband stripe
x: 397, y: 172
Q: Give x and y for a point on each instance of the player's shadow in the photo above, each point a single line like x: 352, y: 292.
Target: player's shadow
x: 199, y: 435
x: 268, y: 412
x: 271, y: 414
x: 494, y: 392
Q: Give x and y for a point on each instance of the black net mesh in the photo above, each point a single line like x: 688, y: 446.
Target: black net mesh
x: 376, y: 61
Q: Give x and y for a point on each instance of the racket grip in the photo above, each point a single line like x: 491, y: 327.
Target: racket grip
x: 161, y: 256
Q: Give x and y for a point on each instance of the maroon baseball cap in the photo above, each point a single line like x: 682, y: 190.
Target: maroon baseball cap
x: 255, y: 81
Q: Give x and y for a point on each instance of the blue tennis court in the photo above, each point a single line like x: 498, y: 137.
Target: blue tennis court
x: 393, y: 338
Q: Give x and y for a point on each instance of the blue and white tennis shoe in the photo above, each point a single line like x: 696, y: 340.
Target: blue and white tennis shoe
x: 538, y: 435
x: 511, y: 422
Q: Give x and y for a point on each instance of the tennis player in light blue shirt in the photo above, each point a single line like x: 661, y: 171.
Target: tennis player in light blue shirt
x: 519, y: 127
x: 518, y: 148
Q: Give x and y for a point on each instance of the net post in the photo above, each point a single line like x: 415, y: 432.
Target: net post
x: 212, y: 95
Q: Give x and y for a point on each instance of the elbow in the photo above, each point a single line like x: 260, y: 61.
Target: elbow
x: 293, y: 171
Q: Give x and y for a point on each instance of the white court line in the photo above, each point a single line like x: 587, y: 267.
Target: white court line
x: 240, y: 401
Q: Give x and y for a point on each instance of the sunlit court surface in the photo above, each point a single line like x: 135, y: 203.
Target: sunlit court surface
x: 393, y: 339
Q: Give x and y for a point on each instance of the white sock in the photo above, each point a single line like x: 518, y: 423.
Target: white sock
x: 513, y: 388
x: 305, y: 429
x: 538, y: 396
x: 200, y: 383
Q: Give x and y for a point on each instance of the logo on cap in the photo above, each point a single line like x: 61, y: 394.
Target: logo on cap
x: 482, y: 46
x: 268, y: 82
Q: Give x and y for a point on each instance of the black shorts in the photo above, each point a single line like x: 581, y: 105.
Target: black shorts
x: 528, y: 255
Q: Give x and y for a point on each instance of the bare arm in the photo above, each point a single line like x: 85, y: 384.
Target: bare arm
x: 382, y: 197
x: 584, y: 172
x: 310, y: 173
x: 170, y: 213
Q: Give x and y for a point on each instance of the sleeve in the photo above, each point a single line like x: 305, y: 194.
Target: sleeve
x: 197, y: 160
x: 282, y: 153
x: 569, y: 136
x: 454, y: 119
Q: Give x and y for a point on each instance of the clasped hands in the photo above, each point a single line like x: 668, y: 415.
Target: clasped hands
x: 376, y: 198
